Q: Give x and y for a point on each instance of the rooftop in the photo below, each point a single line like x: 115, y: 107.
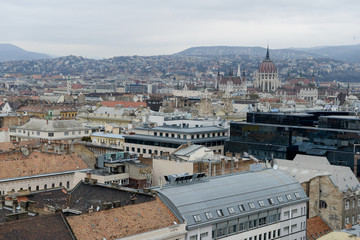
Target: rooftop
x: 51, y: 125
x: 185, y: 130
x: 306, y: 167
x: 231, y: 191
x: 16, y: 164
x: 122, y: 222
x: 107, y: 135
x: 123, y: 103
x: 316, y: 227
x: 83, y: 196
x: 51, y: 226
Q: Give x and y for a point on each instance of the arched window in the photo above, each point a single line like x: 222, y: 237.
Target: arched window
x: 45, y: 186
x: 37, y: 188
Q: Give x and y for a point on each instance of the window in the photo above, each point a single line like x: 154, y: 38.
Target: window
x: 232, y: 229
x: 359, y: 202
x: 353, y: 203
x: 322, y: 204
x: 197, y: 218
x: 293, y: 228
x: 37, y: 188
x: 347, y: 205
x: 279, y: 231
x: 231, y: 210
x: 252, y: 205
x: 45, y: 186
x: 280, y: 199
x: 66, y: 133
x: 194, y: 237
x: 293, y: 212
x: 271, y: 201
x: 253, y: 223
x: 262, y: 221
x: 203, y: 235
x: 220, y: 212
x: 67, y: 184
x: 346, y: 220
x: 241, y: 208
x: 297, y: 195
x: 53, y: 185
x: 60, y: 184
x: 261, y: 203
x: 288, y: 196
x: 208, y: 215
x: 50, y: 134
x: 286, y: 214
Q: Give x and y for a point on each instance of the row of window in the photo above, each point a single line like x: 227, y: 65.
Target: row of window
x: 251, y: 205
x: 347, y: 220
x: 347, y: 204
x: 50, y: 134
x: 192, y: 136
x: 263, y: 236
x: 150, y: 151
x: 37, y: 188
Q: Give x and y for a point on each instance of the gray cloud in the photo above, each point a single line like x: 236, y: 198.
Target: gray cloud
x: 149, y: 27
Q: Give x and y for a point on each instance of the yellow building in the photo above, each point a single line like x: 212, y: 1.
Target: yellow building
x: 49, y: 112
x: 108, y: 139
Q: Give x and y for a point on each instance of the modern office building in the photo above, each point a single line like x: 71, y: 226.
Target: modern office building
x: 334, y: 135
x: 261, y: 204
x: 157, y: 140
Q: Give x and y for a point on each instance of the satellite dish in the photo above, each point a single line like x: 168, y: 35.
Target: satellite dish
x: 275, y: 167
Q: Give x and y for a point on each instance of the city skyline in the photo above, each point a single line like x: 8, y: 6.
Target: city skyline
x: 105, y: 29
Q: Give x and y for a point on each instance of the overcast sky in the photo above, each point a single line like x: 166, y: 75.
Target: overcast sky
x: 107, y: 28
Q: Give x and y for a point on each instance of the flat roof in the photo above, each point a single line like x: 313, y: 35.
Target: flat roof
x: 190, y: 130
x: 174, y: 140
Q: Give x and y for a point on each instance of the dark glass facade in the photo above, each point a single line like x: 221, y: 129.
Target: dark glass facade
x: 267, y: 141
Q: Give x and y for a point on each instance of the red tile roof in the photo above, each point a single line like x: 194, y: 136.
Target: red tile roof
x: 16, y: 164
x: 316, y: 228
x: 125, y: 104
x: 123, y: 221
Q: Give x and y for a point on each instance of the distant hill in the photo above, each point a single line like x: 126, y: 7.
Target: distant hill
x: 347, y: 53
x: 9, y: 52
x: 249, y: 51
x: 350, y: 53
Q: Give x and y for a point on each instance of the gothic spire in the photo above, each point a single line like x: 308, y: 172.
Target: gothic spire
x: 267, y: 52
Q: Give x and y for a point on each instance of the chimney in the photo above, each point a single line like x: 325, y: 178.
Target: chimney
x: 348, y: 226
x: 91, y: 209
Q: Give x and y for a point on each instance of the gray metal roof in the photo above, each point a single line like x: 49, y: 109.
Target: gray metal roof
x: 174, y: 140
x: 193, y: 130
x: 305, y: 167
x: 231, y: 191
x: 188, y: 150
x: 52, y: 125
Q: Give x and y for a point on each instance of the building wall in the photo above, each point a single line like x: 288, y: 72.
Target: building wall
x: 175, y: 232
x: 291, y: 225
x: 163, y: 167
x: 147, y: 150
x: 66, y: 180
x: 335, y: 207
x: 4, y: 136
x: 20, y: 134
